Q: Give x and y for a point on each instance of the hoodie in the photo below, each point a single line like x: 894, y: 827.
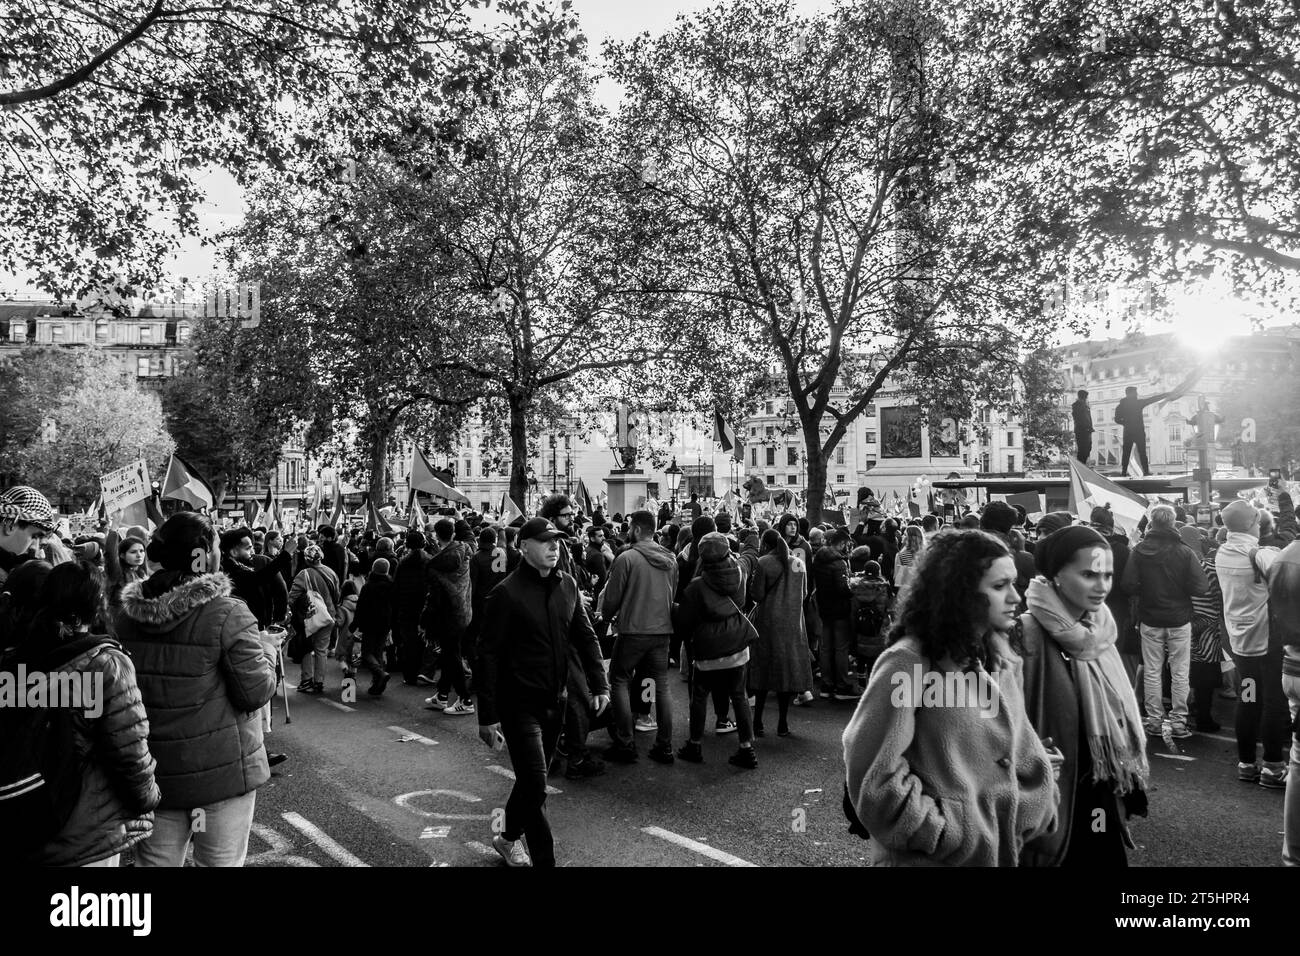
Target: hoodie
x: 710, y: 618
x: 640, y: 589
x: 1164, y: 574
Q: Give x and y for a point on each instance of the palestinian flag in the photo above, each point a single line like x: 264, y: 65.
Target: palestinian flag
x: 1088, y: 490
x: 184, y: 483
x: 725, y: 436
x: 424, y: 478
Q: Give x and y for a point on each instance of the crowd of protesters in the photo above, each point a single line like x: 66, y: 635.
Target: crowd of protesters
x: 558, y: 627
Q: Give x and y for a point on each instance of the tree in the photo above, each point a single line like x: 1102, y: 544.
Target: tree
x: 101, y: 424
x: 1162, y: 135
x: 812, y: 163
x: 1048, y: 431
x: 111, y: 113
x: 34, y: 380
x: 1269, y: 394
x: 543, y: 228
x: 236, y: 399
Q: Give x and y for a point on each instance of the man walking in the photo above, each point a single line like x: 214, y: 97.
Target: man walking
x: 1165, y: 574
x: 447, y: 615
x: 533, y: 623
x: 639, y: 593
x: 1082, y: 426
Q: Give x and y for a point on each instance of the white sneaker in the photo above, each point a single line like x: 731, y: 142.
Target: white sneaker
x: 458, y: 709
x: 435, y: 703
x: 646, y: 722
x: 512, y: 851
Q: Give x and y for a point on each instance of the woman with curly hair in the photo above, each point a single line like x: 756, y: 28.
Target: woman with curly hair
x: 1077, y: 692
x: 943, y: 765
x: 905, y: 564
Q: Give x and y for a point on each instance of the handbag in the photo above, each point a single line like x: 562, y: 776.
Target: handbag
x: 318, y: 617
x: 749, y: 621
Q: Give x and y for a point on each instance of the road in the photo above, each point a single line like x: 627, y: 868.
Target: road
x: 385, y: 782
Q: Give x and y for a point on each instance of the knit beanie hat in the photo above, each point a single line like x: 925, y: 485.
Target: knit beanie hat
x: 1102, y: 518
x: 1238, y: 516
x: 1053, y: 522
x: 701, y: 526
x: 1191, y: 536
x: 1055, y: 551
x: 714, y: 548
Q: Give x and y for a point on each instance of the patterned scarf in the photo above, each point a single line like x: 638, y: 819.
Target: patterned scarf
x: 1112, y: 723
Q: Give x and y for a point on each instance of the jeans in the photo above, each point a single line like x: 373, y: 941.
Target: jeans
x: 834, y: 653
x: 222, y: 840
x: 1291, y: 802
x: 453, y: 670
x: 1084, y: 441
x: 1130, y: 443
x: 630, y: 652
x: 1263, y: 719
x: 372, y: 651
x: 313, y: 663
x: 531, y: 739
x: 730, y: 682
x: 1159, y: 643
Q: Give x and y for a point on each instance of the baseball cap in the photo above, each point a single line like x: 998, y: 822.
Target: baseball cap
x: 24, y: 503
x: 539, y: 529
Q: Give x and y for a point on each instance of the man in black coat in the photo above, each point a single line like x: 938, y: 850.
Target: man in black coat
x: 1082, y: 426
x: 534, y: 625
x: 410, y: 590
x: 1129, y: 414
x: 336, y: 556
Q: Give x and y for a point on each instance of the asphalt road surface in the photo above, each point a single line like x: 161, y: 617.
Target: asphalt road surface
x: 385, y: 782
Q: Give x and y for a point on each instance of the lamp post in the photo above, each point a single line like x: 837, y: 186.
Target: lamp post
x: 673, y: 475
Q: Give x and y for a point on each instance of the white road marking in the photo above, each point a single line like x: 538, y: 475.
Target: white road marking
x: 510, y: 775
x: 434, y: 833
x: 404, y: 801
x: 713, y: 853
x: 1226, y: 740
x: 336, y: 705
x: 412, y: 735
x: 481, y: 848
x: 278, y: 855
x: 1173, y: 756
x: 317, y: 836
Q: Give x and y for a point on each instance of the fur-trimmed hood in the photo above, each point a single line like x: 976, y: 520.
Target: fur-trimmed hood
x: 171, y: 606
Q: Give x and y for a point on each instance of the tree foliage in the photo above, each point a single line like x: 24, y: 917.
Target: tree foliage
x: 808, y: 165
x: 112, y: 111
x: 100, y: 423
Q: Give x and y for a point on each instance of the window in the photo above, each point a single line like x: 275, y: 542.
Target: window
x: 839, y: 456
x: 792, y: 456
x: 839, y: 479
x: 1100, y: 416
x: 1175, y: 431
x: 142, y: 367
x: 768, y: 433
x: 753, y: 457
x: 146, y: 333
x: 870, y: 410
x: 482, y: 468
x: 869, y: 437
x: 771, y: 456
x: 1011, y: 440
x: 56, y: 333
x: 767, y: 408
x: 17, y: 331
x: 101, y: 331
x: 984, y: 462
x: 753, y: 431
x: 792, y: 479
x: 469, y: 468
x: 1011, y: 462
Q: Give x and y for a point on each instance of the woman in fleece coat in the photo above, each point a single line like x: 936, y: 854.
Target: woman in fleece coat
x: 943, y: 765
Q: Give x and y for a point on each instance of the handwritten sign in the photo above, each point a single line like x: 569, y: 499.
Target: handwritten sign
x: 125, y: 487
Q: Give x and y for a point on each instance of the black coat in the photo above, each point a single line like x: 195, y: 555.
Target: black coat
x: 374, y: 617
x: 410, y: 586
x: 531, y: 626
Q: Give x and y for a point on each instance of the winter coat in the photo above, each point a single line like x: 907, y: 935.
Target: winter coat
x: 710, y: 620
x: 1245, y: 599
x: 640, y: 588
x: 255, y: 585
x: 779, y: 660
x: 410, y: 587
x: 1287, y: 527
x: 374, y: 617
x: 947, y: 785
x: 1052, y: 703
x: 831, y: 582
x: 335, y: 558
x: 1284, y: 605
x: 1163, y: 573
x: 487, y: 568
x: 449, y: 600
x: 204, y: 679
x: 118, y: 790
x: 320, y: 579
x: 531, y: 627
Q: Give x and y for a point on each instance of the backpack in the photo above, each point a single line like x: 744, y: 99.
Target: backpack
x: 40, y: 769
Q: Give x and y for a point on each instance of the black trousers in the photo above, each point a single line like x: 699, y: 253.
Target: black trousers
x: 1138, y: 442
x: 531, y: 736
x: 1084, y: 441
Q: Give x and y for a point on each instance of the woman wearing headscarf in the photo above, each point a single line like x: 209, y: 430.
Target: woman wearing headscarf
x: 1078, y: 695
x: 958, y: 777
x: 314, y: 577
x: 204, y: 679
x: 779, y: 661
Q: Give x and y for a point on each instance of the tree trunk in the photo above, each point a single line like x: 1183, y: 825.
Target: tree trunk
x: 519, y: 447
x: 815, y: 492
x: 379, y: 435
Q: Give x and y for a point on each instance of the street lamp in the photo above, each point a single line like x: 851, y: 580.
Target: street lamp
x: 673, y: 475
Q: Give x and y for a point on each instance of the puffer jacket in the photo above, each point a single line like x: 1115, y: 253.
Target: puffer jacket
x: 831, y: 582
x: 410, y: 587
x: 1163, y: 573
x: 203, y: 678
x: 710, y: 618
x: 118, y: 791
x: 449, y: 600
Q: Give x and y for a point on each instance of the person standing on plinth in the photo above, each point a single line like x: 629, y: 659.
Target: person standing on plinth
x: 1129, y: 414
x: 1082, y: 426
